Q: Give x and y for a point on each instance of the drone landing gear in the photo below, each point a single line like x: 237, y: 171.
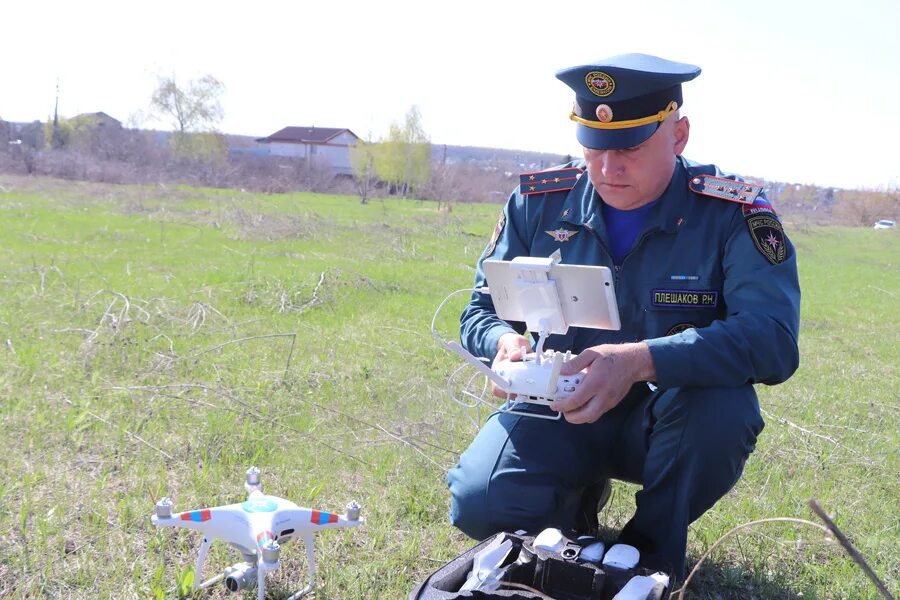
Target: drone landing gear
x: 237, y: 577
x: 241, y: 575
x: 311, y: 562
x: 198, y: 572
x: 260, y: 579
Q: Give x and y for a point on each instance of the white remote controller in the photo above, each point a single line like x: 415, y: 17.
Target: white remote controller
x: 538, y: 381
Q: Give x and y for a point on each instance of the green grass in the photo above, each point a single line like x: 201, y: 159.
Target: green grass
x: 158, y: 341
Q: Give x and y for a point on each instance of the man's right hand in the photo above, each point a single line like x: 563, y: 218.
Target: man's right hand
x: 509, y: 347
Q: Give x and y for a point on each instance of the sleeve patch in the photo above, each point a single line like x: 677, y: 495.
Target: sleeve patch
x: 768, y: 236
x: 725, y: 189
x: 549, y: 181
x: 498, y: 229
x: 760, y: 205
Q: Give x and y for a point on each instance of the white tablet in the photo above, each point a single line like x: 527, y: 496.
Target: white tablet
x: 586, y: 294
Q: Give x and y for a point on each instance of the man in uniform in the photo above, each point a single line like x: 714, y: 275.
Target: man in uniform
x: 708, y: 296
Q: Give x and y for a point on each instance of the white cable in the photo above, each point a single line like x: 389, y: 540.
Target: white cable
x: 477, y: 399
x: 484, y: 370
x: 450, y: 390
x: 434, y: 334
x: 466, y: 407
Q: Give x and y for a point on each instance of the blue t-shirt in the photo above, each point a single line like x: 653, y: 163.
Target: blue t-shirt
x: 623, y: 227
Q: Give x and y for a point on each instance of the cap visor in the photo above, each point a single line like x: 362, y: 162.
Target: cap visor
x: 613, y: 139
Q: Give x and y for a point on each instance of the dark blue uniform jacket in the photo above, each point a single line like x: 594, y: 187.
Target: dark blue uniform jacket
x: 710, y: 285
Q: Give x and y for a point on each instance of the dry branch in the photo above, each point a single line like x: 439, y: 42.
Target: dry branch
x: 43, y: 274
x: 134, y: 435
x: 106, y: 314
x: 315, y: 295
x: 247, y: 410
x: 287, y: 364
x: 378, y: 427
x: 848, y: 546
x: 878, y: 289
x: 814, y: 434
x: 681, y: 591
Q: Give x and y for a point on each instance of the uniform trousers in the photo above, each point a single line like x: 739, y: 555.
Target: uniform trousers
x: 686, y: 447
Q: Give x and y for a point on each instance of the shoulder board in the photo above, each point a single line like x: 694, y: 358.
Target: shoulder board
x: 725, y: 189
x: 549, y: 181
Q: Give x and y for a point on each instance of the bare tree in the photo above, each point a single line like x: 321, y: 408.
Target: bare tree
x: 5, y: 135
x: 404, y: 159
x: 196, y: 111
x: 864, y: 207
x: 362, y: 160
x: 195, y: 107
x: 29, y: 143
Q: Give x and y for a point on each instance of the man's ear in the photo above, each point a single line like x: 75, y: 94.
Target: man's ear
x: 682, y: 133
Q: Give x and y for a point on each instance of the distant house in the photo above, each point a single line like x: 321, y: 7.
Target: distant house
x: 324, y: 146
x: 98, y: 119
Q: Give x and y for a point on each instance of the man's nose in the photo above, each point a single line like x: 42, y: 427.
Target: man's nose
x: 609, y: 162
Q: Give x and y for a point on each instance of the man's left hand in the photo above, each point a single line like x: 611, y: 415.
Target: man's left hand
x: 610, y: 371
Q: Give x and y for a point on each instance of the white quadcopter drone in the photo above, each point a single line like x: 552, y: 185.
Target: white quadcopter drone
x: 257, y: 528
x: 549, y: 297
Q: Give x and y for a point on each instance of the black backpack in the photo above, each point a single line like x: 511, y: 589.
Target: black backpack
x: 560, y: 575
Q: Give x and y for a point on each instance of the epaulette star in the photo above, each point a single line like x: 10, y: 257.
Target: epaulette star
x: 725, y: 189
x: 550, y: 181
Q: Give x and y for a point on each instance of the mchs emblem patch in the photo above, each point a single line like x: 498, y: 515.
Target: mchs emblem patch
x: 768, y: 235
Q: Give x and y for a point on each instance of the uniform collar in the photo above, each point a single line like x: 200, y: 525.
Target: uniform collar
x: 667, y: 214
x: 582, y: 204
x: 579, y: 204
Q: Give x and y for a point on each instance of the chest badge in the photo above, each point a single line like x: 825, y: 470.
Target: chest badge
x: 561, y: 235
x: 675, y: 329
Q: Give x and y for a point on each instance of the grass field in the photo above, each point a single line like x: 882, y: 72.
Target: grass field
x: 158, y: 341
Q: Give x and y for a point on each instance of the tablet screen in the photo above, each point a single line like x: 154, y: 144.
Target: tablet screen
x: 586, y: 294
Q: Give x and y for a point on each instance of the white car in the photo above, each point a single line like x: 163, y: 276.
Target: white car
x: 884, y: 224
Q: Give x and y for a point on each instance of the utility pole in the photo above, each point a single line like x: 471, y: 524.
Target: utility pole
x: 56, y: 140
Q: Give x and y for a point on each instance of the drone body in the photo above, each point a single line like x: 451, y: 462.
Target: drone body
x: 257, y: 528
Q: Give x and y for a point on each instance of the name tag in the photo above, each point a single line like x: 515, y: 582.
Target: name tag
x: 685, y: 298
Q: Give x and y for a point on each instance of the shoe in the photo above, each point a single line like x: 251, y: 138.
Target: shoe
x: 593, y: 499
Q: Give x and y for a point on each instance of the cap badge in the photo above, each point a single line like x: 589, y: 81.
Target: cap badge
x: 604, y: 113
x: 600, y: 83
x: 561, y: 235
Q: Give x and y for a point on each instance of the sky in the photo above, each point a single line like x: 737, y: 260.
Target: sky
x: 797, y: 91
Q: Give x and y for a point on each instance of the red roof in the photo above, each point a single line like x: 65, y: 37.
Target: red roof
x: 305, y: 135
